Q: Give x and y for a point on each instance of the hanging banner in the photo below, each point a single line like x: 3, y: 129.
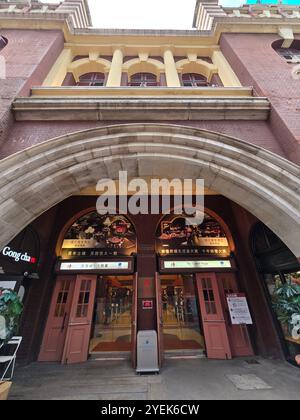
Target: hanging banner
x: 239, y: 309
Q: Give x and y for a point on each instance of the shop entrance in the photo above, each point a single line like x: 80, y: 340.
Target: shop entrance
x: 90, y: 313
x: 193, y: 315
x: 113, y: 312
x: 182, y: 329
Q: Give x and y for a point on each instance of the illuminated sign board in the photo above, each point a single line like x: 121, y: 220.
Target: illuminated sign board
x: 196, y: 264
x: 21, y: 255
x: 94, y: 266
x: 18, y: 256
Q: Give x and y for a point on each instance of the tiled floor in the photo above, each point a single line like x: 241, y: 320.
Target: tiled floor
x: 179, y: 380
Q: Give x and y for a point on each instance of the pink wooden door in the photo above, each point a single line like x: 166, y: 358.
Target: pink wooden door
x: 159, y: 316
x: 238, y: 334
x: 80, y: 322
x: 58, y: 318
x: 134, y: 321
x: 214, y: 325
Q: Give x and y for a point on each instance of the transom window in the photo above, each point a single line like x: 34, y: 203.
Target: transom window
x: 194, y: 80
x: 92, y: 79
x: 143, y: 80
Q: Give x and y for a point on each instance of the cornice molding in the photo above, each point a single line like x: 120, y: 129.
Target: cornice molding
x: 129, y: 108
x: 209, y: 13
x: 75, y: 12
x: 211, y: 20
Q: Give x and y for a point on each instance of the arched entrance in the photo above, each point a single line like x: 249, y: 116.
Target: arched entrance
x: 92, y: 313
x: 197, y: 276
x: 36, y: 179
x: 47, y: 174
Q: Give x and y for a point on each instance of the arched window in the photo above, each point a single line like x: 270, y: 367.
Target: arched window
x: 292, y: 54
x: 194, y: 80
x: 143, y: 80
x: 92, y: 79
x: 3, y: 42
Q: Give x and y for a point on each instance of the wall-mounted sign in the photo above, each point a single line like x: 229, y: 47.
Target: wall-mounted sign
x: 21, y: 254
x: 18, y: 256
x: 239, y: 309
x: 147, y: 305
x: 192, y: 264
x: 94, y: 236
x: 176, y: 236
x: 8, y: 285
x: 94, y: 266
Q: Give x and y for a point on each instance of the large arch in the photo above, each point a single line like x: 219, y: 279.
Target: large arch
x: 34, y: 180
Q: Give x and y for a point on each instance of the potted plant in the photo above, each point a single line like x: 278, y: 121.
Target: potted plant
x: 286, y: 303
x: 11, y: 308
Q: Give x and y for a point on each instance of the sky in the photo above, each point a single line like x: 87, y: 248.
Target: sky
x: 145, y: 14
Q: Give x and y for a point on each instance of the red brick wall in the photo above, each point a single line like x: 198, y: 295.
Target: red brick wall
x: 29, y: 56
x: 27, y: 134
x: 257, y: 64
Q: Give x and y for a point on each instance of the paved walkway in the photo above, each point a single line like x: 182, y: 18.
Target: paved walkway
x: 180, y: 379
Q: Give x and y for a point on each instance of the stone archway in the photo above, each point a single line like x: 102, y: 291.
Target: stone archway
x: 34, y: 180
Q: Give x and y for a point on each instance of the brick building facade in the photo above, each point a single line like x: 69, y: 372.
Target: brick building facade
x: 220, y: 102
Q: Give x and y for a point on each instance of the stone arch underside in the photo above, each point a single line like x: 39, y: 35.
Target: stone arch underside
x: 34, y: 180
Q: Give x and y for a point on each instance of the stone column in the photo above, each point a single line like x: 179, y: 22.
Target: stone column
x: 58, y: 72
x: 115, y: 73
x: 227, y: 75
x: 171, y: 70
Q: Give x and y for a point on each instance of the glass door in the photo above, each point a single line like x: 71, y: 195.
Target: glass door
x: 180, y: 313
x: 112, y: 321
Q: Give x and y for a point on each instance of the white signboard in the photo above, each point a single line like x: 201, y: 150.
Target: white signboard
x: 239, y: 309
x: 91, y: 266
x: 8, y: 284
x: 197, y: 264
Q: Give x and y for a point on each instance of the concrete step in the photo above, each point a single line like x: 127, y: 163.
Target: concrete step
x: 110, y: 356
x: 184, y: 354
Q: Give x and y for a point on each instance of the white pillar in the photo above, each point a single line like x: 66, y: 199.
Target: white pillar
x: 171, y: 70
x: 115, y: 73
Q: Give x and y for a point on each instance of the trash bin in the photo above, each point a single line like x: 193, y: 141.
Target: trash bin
x: 147, y: 352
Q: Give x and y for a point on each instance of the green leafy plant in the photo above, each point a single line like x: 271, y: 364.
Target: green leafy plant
x: 286, y: 303
x: 11, y: 309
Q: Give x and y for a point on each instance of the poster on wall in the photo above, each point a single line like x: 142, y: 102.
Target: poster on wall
x: 239, y: 309
x: 95, y: 236
x: 174, y: 236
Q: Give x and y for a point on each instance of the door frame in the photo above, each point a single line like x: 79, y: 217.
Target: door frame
x: 214, y: 324
x: 134, y: 321
x: 239, y: 337
x: 85, y: 323
x: 44, y: 354
x: 159, y: 320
